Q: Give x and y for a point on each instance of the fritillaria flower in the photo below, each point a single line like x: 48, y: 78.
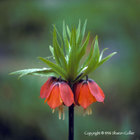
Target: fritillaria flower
x: 86, y: 93
x: 57, y: 93
x: 67, y: 52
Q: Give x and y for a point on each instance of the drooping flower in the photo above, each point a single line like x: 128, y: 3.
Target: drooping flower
x: 86, y: 93
x: 57, y: 93
x: 47, y: 87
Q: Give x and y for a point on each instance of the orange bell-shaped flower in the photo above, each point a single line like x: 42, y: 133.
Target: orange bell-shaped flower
x: 87, y: 92
x: 57, y: 93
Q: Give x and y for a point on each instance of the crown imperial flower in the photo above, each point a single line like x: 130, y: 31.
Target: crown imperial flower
x: 67, y: 51
x: 57, y: 93
x: 86, y: 93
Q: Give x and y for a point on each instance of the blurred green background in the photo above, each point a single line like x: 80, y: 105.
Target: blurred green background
x: 26, y: 33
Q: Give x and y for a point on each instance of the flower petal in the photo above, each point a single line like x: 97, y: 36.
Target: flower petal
x: 47, y: 87
x: 96, y: 91
x: 54, y: 99
x: 66, y: 94
x: 77, y: 87
x: 85, y: 97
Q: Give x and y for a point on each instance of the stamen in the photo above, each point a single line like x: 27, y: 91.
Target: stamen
x: 61, y: 112
x: 90, y: 111
x: 53, y: 110
x: 60, y: 99
x: 87, y: 111
x: 63, y: 115
x: 84, y: 113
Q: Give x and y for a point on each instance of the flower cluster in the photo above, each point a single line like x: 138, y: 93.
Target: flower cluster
x: 58, y: 93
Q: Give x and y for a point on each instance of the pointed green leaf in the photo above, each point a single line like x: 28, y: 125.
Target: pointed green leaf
x: 106, y: 58
x: 59, y: 51
x: 65, y: 38
x: 82, y: 50
x: 51, y: 50
x: 101, y: 55
x: 83, y: 29
x: 49, y: 57
x: 62, y: 58
x: 68, y: 31
x: 78, y: 31
x: 56, y: 53
x: 95, y: 58
x: 59, y: 36
x: 36, y: 71
x: 89, y: 56
x: 86, y: 62
x: 82, y: 70
x: 96, y: 51
x: 73, y: 39
x: 72, y: 55
x: 59, y: 70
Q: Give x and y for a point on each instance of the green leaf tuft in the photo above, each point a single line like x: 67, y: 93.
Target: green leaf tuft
x: 68, y: 50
